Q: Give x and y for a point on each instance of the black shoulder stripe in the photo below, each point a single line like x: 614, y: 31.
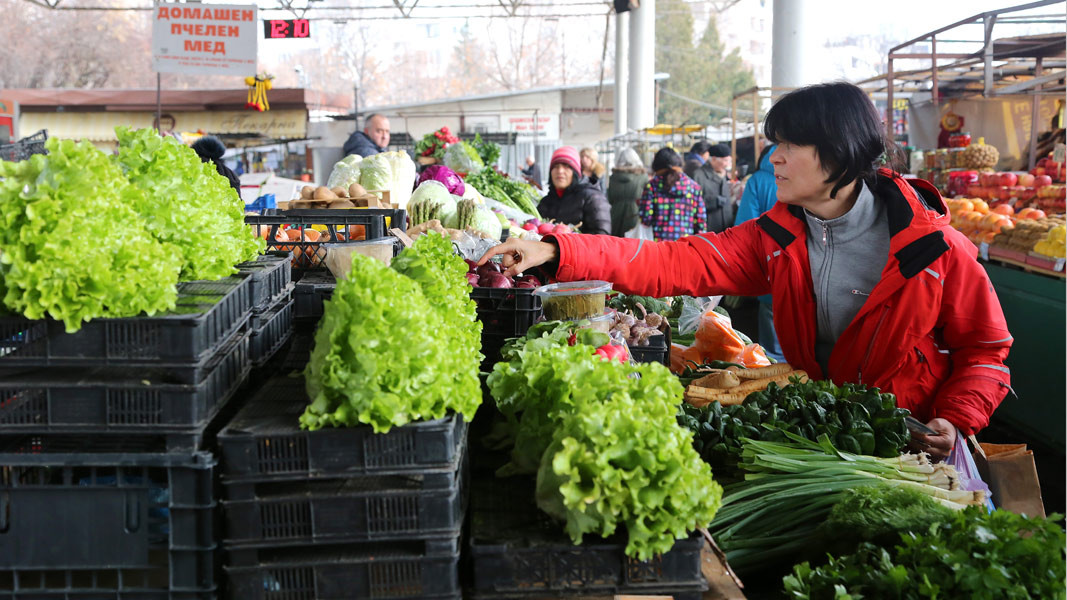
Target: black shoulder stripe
x: 897, y: 208
x: 919, y: 254
x: 777, y: 232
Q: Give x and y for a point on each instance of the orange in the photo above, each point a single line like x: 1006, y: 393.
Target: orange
x: 981, y: 206
x: 965, y: 205
x: 1004, y: 209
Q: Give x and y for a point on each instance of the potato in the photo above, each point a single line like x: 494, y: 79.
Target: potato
x: 340, y: 192
x: 307, y: 192
x: 300, y: 204
x: 341, y: 203
x: 324, y: 193
x: 356, y: 191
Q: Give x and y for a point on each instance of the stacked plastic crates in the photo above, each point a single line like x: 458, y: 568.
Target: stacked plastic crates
x: 271, y: 323
x: 340, y: 513
x: 105, y: 433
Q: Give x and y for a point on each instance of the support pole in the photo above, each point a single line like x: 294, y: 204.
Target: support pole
x: 790, y: 59
x: 933, y: 67
x: 159, y: 103
x: 1035, y: 107
x: 642, y: 66
x: 889, y: 80
x: 987, y: 55
x: 622, y: 70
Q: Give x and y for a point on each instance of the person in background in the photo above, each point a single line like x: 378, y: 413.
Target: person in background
x: 571, y: 199
x: 697, y: 156
x: 594, y: 172
x: 712, y: 177
x: 671, y: 203
x: 211, y: 150
x: 373, y: 139
x: 759, y: 196
x: 870, y: 282
x: 532, y: 172
x: 627, y: 181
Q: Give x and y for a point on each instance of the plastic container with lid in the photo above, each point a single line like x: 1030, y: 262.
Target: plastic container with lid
x: 573, y: 300
x: 603, y: 323
x: 339, y: 256
x: 959, y: 140
x: 959, y: 181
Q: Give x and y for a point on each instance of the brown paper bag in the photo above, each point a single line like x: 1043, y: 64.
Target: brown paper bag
x: 1012, y: 477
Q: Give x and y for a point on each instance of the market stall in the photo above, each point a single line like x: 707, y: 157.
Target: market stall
x: 335, y: 400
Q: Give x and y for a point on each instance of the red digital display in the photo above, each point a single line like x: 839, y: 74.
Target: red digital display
x: 281, y: 29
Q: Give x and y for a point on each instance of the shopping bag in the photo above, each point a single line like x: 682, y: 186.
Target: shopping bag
x: 970, y: 477
x: 1010, y: 471
x: 641, y: 232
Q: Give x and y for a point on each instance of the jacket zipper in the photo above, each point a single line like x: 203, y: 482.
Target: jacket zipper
x: 870, y: 347
x: 859, y: 293
x: 824, y: 234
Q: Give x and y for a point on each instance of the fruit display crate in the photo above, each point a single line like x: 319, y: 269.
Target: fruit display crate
x: 103, y: 401
x: 329, y: 226
x: 269, y: 277
x: 207, y: 314
x: 310, y: 294
x: 363, y: 509
x: 517, y: 551
x: 371, y: 571
x: 657, y: 350
x: 271, y: 331
x: 264, y: 442
x: 504, y: 313
x: 124, y: 524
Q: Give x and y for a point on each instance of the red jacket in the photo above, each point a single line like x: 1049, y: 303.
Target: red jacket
x: 932, y: 331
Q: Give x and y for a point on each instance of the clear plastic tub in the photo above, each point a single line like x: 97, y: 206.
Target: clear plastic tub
x: 573, y: 300
x: 339, y: 256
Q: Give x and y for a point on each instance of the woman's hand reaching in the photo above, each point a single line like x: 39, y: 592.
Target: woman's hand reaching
x: 520, y: 255
x: 938, y: 445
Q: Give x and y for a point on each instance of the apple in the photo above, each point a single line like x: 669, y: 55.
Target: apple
x: 1038, y: 171
x: 1026, y: 179
x: 1042, y: 180
x: 974, y: 190
x: 1061, y: 192
x: 1027, y: 193
x: 1004, y: 193
x: 989, y: 179
x: 1008, y: 179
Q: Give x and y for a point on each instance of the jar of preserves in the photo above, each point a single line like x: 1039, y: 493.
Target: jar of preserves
x: 959, y: 140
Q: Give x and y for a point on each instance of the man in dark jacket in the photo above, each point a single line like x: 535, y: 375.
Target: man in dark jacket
x: 712, y: 179
x: 372, y: 140
x: 696, y: 157
x: 570, y: 198
x: 210, y: 150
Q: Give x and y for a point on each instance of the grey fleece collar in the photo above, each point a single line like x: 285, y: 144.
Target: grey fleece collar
x: 848, y: 226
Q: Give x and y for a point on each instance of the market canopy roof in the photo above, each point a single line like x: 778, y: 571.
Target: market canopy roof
x: 138, y: 100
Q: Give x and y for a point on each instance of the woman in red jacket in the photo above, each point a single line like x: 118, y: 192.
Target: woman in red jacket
x: 870, y: 284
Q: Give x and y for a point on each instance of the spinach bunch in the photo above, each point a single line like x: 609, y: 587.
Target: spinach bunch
x: 973, y: 554
x: 856, y: 418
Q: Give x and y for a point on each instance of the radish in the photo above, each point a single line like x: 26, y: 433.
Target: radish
x: 558, y: 229
x: 545, y: 228
x: 530, y: 227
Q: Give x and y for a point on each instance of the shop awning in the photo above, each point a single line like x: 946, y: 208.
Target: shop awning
x: 290, y: 124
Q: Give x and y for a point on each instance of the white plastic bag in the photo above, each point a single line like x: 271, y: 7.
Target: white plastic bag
x: 641, y: 232
x: 692, y: 310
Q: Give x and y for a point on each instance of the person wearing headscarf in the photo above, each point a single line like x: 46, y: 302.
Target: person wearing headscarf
x: 625, y: 185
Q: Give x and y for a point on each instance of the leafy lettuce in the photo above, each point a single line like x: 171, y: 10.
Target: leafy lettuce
x: 604, y: 442
x: 186, y: 203
x: 397, y: 344
x: 72, y: 244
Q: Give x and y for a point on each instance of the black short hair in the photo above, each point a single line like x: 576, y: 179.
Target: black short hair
x: 841, y: 122
x: 666, y: 158
x: 701, y: 147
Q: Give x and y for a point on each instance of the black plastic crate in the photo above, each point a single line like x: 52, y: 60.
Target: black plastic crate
x: 107, y: 526
x: 516, y: 550
x: 365, y: 509
x: 275, y: 327
x: 505, y: 314
x: 310, y: 295
x: 657, y: 350
x: 299, y: 352
x: 397, y: 572
x: 269, y: 277
x: 264, y: 442
x: 112, y: 401
x: 309, y: 255
x: 25, y: 148
x: 208, y: 312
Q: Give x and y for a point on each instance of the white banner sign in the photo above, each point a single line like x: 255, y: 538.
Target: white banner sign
x: 205, y: 39
x: 546, y: 128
